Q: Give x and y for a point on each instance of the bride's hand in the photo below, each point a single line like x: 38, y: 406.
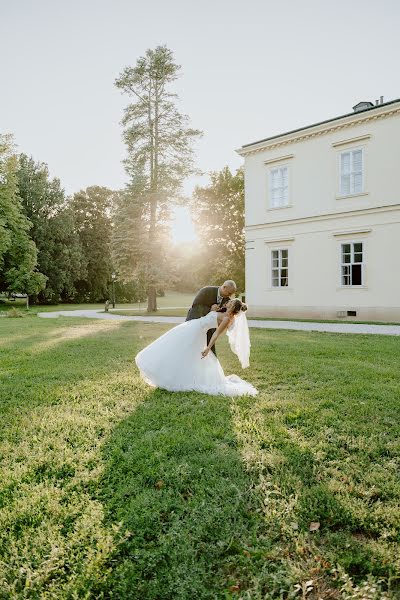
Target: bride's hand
x: 215, y: 307
x: 205, y: 352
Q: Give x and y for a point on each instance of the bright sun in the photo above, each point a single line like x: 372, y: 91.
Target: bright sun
x: 182, y: 228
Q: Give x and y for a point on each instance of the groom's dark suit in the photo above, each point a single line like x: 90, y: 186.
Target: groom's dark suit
x: 202, y: 304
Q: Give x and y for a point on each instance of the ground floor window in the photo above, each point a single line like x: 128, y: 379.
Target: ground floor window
x: 280, y: 267
x: 352, y: 263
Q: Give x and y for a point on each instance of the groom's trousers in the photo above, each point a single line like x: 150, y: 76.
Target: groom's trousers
x: 210, y: 333
x: 196, y: 312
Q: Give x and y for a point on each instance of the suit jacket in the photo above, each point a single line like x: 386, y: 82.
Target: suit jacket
x: 203, y: 302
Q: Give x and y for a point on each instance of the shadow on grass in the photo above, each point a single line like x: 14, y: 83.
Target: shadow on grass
x: 176, y: 483
x: 195, y: 525
x: 169, y: 469
x: 344, y: 529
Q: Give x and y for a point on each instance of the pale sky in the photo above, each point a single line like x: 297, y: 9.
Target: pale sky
x: 250, y: 69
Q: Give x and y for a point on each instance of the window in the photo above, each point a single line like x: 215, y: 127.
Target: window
x: 280, y: 267
x: 352, y: 263
x: 279, y: 187
x: 351, y: 172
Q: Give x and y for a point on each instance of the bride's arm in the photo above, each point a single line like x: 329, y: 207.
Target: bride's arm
x: 221, y: 328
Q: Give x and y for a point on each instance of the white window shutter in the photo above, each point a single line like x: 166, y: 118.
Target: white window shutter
x: 345, y: 173
x: 357, y: 161
x: 279, y: 187
x: 345, y: 162
x: 351, y: 172
x: 285, y: 186
x: 357, y: 171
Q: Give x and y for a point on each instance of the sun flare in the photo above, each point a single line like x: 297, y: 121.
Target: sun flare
x: 182, y: 226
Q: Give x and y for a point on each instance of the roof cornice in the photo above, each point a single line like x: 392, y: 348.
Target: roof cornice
x: 339, y: 123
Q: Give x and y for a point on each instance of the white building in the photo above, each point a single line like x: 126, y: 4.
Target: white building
x: 323, y: 218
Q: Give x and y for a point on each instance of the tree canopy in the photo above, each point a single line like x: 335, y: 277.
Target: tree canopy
x: 60, y: 256
x: 18, y: 253
x: 218, y: 211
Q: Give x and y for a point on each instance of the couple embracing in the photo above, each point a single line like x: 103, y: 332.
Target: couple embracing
x: 184, y: 358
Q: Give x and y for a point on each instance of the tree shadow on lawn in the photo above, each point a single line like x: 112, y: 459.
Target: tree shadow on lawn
x: 176, y: 483
x: 174, y: 478
x: 196, y: 521
x: 349, y: 531
x: 303, y: 481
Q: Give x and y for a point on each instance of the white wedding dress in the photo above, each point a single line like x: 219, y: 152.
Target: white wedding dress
x: 174, y: 362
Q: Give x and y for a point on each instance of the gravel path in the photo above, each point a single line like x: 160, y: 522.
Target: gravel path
x: 293, y: 325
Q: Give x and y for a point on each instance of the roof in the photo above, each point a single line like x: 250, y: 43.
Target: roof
x: 374, y: 107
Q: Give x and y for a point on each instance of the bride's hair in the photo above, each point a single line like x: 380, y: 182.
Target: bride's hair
x: 238, y: 305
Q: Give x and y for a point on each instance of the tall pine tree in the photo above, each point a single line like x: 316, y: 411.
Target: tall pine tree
x: 159, y: 144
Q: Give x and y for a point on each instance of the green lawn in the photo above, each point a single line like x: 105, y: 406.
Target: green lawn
x: 109, y: 489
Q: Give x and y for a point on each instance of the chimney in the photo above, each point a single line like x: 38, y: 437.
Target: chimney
x: 376, y: 102
x: 381, y: 102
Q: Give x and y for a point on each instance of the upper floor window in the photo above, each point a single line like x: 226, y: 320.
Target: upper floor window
x: 279, y: 187
x: 352, y: 263
x: 351, y: 172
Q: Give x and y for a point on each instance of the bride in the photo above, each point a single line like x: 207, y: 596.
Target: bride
x: 177, y: 361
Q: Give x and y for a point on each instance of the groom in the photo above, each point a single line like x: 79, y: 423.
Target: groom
x: 210, y: 298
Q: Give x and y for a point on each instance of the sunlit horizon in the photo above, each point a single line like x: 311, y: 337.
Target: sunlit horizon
x: 182, y: 226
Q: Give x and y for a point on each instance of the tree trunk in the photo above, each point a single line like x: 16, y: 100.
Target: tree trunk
x: 151, y: 299
x: 151, y: 290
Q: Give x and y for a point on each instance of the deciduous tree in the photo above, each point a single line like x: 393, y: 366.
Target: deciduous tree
x: 18, y: 254
x: 60, y: 255
x: 92, y: 217
x: 218, y: 211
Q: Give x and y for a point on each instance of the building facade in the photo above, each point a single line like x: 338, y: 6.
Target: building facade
x: 322, y: 214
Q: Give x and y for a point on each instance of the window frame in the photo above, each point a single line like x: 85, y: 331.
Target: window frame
x: 279, y: 167
x: 279, y: 268
x: 351, y: 243
x: 351, y: 192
